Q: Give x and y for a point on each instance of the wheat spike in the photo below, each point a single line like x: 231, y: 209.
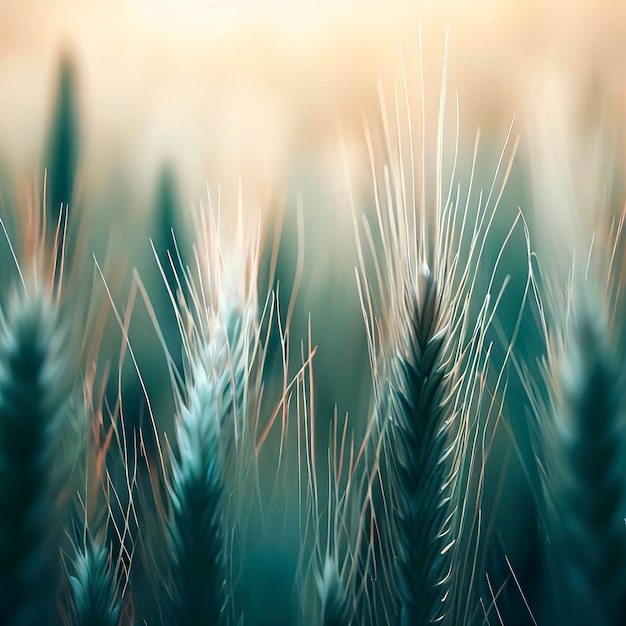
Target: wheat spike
x: 584, y: 482
x: 95, y: 600
x: 424, y: 440
x: 333, y: 595
x: 33, y: 403
x: 209, y: 433
x: 196, y: 531
x: 427, y: 322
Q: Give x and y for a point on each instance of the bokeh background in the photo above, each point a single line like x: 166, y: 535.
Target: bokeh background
x: 135, y: 108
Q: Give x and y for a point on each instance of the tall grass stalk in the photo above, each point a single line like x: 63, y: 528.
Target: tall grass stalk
x: 590, y: 488
x: 218, y: 325
x: 335, y: 604
x: 33, y: 405
x: 576, y: 391
x: 580, y: 442
x: 100, y: 561
x: 196, y: 527
x: 61, y: 160
x: 95, y: 597
x: 44, y: 433
x: 332, y: 532
x: 36, y: 378
x: 427, y: 321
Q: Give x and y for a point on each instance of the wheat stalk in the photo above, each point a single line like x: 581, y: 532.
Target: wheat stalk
x: 577, y: 400
x: 33, y: 405
x: 426, y: 324
x: 580, y: 446
x: 217, y: 320
x: 43, y: 431
x: 196, y: 527
x: 591, y: 490
x: 338, y: 533
x: 95, y: 598
x: 424, y: 438
x: 332, y: 591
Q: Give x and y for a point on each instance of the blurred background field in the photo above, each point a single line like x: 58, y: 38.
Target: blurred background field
x: 135, y: 108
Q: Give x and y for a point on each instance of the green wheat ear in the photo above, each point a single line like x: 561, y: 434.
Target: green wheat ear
x: 168, y: 237
x: 584, y: 481
x: 33, y: 404
x: 62, y: 148
x: 210, y: 406
x: 95, y: 599
x: 333, y: 595
x: 195, y: 529
x: 428, y: 310
x: 198, y: 539
x: 424, y: 437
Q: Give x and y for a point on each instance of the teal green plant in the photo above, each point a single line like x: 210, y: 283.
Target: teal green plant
x: 196, y: 527
x: 213, y: 395
x: 61, y: 161
x: 427, y: 315
x: 33, y: 405
x: 580, y: 443
x: 95, y: 597
x: 335, y: 604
